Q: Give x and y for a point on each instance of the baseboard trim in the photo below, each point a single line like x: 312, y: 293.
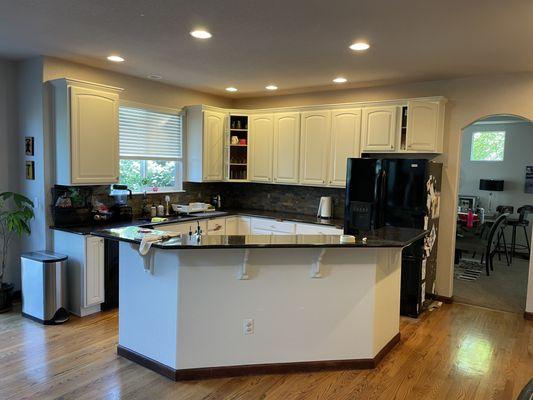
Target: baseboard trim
x: 256, y: 369
x: 444, y: 299
x: 528, y: 315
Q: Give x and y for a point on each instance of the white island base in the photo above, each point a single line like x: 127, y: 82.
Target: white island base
x: 310, y: 309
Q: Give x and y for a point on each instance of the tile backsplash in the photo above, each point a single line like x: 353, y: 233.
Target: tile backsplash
x: 258, y: 196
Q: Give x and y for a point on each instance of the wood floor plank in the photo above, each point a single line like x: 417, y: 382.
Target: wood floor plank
x: 455, y: 352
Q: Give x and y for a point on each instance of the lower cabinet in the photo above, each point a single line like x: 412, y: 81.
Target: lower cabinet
x: 216, y: 226
x: 316, y: 229
x: 85, y: 271
x: 238, y: 225
x: 184, y: 227
x: 267, y: 226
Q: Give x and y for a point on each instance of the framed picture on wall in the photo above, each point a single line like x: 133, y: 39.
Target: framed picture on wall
x: 28, y: 145
x: 528, y: 187
x: 466, y: 203
x: 30, y: 170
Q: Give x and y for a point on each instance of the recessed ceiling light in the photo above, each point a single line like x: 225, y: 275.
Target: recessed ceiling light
x: 271, y: 87
x: 231, y: 89
x: 201, y: 34
x: 359, y: 46
x: 154, y: 77
x: 115, y: 58
x: 340, y: 79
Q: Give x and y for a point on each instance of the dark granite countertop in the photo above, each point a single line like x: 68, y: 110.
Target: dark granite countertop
x: 281, y: 216
x: 382, y: 237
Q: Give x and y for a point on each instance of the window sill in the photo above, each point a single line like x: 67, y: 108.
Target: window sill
x: 160, y: 191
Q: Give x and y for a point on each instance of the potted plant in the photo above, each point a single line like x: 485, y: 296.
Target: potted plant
x: 16, y: 212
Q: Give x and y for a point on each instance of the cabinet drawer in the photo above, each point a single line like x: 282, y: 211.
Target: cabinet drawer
x: 183, y: 227
x: 315, y: 229
x: 216, y: 226
x: 277, y: 227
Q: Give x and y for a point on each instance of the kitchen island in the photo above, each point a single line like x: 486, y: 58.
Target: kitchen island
x: 223, y: 305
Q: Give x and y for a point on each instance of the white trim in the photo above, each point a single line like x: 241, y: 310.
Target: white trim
x: 151, y: 107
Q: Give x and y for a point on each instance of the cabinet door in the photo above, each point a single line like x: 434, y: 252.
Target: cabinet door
x: 182, y: 228
x: 244, y: 226
x: 232, y: 225
x: 379, y: 128
x: 216, y: 226
x: 213, y: 146
x: 315, y: 147
x: 94, y: 271
x: 260, y: 147
x: 93, y: 136
x: 422, y: 126
x: 286, y: 147
x: 345, y: 143
x: 316, y: 229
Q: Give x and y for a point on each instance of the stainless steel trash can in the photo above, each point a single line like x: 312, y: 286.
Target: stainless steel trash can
x: 44, y: 297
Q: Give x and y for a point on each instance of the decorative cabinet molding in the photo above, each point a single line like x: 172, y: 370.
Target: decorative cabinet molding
x: 286, y: 147
x: 315, y: 147
x: 205, y: 144
x: 345, y: 142
x: 379, y: 128
x: 94, y: 271
x: 261, y: 137
x: 86, y: 129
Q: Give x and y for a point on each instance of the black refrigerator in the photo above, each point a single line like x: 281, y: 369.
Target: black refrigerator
x: 400, y: 193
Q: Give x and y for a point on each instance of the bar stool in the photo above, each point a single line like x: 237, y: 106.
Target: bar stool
x: 523, y: 222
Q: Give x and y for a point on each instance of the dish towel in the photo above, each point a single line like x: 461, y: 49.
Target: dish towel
x: 146, y: 243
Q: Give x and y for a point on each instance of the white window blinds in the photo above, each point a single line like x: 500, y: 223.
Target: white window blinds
x: 146, y: 134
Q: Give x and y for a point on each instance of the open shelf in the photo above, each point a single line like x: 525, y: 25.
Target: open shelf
x: 237, y: 161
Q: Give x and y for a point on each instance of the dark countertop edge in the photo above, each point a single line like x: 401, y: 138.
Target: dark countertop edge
x: 383, y: 244
x: 305, y: 219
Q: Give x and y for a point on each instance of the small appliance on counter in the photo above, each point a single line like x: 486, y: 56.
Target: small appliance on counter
x: 324, y: 207
x: 121, y: 210
x: 217, y: 201
x: 192, y: 208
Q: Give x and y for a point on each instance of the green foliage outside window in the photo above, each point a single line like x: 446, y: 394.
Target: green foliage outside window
x: 140, y: 175
x: 488, y: 146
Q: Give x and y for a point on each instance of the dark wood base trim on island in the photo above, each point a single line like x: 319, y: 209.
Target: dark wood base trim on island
x: 256, y: 369
x: 528, y: 316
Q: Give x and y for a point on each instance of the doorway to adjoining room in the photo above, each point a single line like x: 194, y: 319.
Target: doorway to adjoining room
x: 494, y: 213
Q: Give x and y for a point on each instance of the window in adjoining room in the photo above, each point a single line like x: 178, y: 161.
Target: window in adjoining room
x: 488, y: 146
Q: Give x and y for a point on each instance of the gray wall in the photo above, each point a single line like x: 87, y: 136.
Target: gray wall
x: 8, y: 157
x: 518, y: 154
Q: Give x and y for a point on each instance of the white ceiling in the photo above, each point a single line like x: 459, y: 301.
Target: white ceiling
x: 296, y: 44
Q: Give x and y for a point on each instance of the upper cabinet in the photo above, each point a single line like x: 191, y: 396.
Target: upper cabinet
x: 205, y: 144
x: 315, y: 146
x: 424, y: 126
x: 345, y: 143
x: 379, y: 128
x: 286, y: 147
x: 261, y: 137
x: 86, y: 129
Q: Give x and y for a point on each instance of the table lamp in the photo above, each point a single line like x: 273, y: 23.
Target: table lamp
x: 491, y: 185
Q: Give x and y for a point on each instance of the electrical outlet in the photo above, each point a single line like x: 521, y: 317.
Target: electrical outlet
x: 248, y: 326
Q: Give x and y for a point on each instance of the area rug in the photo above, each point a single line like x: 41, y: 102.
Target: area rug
x: 468, y: 270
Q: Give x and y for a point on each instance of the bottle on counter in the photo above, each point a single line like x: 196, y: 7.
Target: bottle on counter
x: 160, y: 210
x: 153, y: 211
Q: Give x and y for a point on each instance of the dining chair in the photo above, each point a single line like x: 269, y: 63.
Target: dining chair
x: 522, y: 222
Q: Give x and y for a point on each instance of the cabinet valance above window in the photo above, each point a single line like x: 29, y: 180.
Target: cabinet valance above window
x: 146, y: 134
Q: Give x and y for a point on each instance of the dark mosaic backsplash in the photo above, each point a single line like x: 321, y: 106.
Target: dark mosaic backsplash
x: 257, y: 196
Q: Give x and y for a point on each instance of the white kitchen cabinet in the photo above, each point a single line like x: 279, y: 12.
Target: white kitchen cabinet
x: 261, y: 136
x: 315, y: 147
x: 216, y: 226
x: 286, y: 147
x: 379, y: 128
x: 85, y: 270
x: 345, y: 143
x: 86, y: 132
x: 424, y: 126
x: 232, y: 225
x: 94, y: 271
x: 206, y: 130
x: 317, y: 229
x: 184, y: 227
x: 244, y: 225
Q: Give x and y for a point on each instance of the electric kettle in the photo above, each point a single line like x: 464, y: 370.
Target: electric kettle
x: 324, y: 207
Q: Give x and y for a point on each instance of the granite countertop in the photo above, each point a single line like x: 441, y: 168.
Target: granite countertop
x: 382, y: 237
x: 282, y: 216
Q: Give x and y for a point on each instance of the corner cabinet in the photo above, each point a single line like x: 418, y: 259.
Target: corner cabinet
x: 205, y: 144
x: 379, y: 128
x: 314, y: 147
x: 345, y: 143
x: 261, y: 135
x: 86, y: 129
x: 425, y: 121
x: 286, y: 147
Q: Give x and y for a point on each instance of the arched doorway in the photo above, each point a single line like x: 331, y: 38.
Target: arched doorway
x: 495, y: 211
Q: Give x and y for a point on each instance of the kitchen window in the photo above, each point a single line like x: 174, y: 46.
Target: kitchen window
x: 150, y: 149
x: 488, y: 146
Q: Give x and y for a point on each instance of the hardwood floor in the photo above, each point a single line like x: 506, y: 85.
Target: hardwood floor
x: 455, y: 352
